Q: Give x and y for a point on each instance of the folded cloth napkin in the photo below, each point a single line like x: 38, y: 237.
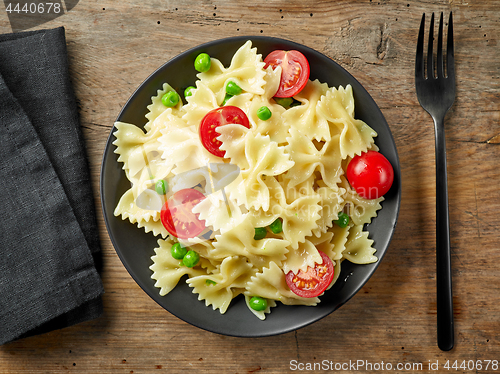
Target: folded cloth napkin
x: 49, y: 244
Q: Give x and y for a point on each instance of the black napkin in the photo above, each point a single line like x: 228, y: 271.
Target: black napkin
x: 49, y: 245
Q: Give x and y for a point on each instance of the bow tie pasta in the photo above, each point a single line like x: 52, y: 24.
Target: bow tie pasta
x: 284, y: 209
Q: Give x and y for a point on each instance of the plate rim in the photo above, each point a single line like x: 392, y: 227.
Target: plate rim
x: 108, y: 151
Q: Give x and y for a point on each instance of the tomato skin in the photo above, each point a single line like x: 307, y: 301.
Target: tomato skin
x: 177, y: 216
x: 370, y: 174
x: 294, y: 71
x: 319, y: 277
x: 220, y: 117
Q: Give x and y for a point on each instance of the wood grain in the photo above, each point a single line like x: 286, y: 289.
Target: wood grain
x: 114, y: 46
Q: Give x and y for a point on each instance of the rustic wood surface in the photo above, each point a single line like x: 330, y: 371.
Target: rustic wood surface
x: 113, y: 46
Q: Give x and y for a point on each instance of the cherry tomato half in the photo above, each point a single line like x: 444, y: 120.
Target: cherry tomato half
x: 220, y: 117
x: 314, y: 281
x: 294, y: 71
x: 177, y: 215
x: 370, y: 174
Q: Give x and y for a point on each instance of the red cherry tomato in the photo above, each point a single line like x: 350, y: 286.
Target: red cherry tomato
x: 370, y: 174
x: 314, y: 281
x: 177, y: 216
x: 294, y: 71
x: 220, y: 117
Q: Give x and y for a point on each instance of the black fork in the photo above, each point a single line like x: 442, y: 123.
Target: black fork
x: 436, y: 93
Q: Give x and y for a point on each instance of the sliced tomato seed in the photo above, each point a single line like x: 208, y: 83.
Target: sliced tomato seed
x: 294, y: 73
x: 176, y: 215
x: 219, y: 117
x: 311, y: 281
x: 314, y: 281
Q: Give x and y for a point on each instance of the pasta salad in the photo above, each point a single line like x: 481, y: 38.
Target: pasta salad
x: 255, y: 184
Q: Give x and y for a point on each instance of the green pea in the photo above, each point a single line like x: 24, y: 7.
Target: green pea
x: 258, y: 303
x: 260, y: 233
x: 202, y: 63
x: 233, y: 89
x: 191, y: 259
x: 276, y: 227
x: 178, y: 251
x: 283, y: 101
x: 264, y: 113
x: 210, y: 282
x: 161, y: 187
x: 343, y: 220
x: 170, y: 99
x: 226, y: 98
x: 188, y: 91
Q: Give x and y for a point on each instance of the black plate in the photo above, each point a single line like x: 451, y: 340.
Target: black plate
x: 135, y: 248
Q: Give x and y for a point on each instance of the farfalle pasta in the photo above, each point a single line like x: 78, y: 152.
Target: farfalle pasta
x: 285, y: 169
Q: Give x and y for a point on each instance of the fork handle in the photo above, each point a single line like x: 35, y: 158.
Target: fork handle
x: 445, y: 328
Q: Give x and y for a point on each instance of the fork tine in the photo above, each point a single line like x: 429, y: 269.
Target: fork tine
x: 450, y: 56
x: 419, y: 60
x: 439, y: 68
x: 430, y: 56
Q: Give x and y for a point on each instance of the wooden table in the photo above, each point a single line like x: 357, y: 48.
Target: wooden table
x: 113, y: 46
